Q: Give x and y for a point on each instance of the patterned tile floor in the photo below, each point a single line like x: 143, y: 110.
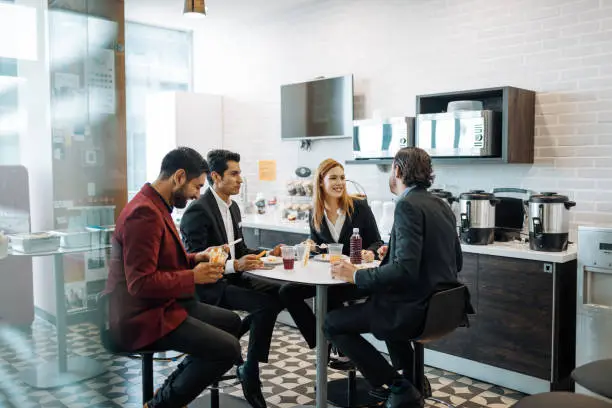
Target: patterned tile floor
x: 288, y: 378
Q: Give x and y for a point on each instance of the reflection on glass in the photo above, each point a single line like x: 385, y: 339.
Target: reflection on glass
x: 157, y: 59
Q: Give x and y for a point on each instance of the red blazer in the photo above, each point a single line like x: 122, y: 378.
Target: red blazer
x: 148, y: 271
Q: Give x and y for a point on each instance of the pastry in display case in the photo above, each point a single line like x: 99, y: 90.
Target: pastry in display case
x: 302, y: 188
x: 293, y: 211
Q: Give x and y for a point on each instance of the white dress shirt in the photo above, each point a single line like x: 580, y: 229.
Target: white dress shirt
x: 335, y: 228
x: 226, y: 215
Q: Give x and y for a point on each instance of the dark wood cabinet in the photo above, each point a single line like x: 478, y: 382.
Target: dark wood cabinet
x: 525, y: 317
x: 515, y: 315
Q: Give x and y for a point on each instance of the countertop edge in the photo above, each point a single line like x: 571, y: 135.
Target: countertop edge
x: 497, y: 249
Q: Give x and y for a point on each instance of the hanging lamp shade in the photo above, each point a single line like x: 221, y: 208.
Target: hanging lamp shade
x: 194, y: 8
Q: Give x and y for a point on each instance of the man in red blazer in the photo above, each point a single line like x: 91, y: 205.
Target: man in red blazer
x: 152, y: 285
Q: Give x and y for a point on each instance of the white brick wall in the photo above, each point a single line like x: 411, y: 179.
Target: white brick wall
x: 397, y: 49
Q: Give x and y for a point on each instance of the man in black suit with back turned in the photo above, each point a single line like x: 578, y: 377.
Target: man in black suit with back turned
x: 214, y: 220
x: 424, y: 255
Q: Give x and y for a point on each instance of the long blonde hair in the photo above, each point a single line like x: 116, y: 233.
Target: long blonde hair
x: 318, y: 194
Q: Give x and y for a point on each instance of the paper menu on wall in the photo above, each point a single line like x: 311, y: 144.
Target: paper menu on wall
x: 267, y: 170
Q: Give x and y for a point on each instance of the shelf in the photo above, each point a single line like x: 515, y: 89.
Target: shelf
x: 517, y: 108
x: 370, y: 161
x: 435, y: 160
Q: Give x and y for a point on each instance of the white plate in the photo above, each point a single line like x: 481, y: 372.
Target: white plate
x: 272, y: 260
x: 325, y: 257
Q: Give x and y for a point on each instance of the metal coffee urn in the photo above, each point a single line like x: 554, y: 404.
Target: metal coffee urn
x: 477, y: 214
x: 549, y: 222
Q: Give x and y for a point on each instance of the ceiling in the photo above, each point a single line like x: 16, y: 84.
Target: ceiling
x: 169, y: 13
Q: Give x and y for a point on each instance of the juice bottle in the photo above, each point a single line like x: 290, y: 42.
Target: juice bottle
x: 356, y: 244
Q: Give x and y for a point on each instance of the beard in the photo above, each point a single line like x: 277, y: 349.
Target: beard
x: 179, y: 200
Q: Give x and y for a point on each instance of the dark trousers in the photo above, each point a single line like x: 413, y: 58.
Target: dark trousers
x: 343, y: 327
x: 293, y: 295
x: 259, y: 298
x: 209, y: 337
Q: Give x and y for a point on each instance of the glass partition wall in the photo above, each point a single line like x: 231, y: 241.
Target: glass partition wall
x: 157, y: 60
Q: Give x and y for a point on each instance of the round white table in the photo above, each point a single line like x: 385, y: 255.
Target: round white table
x: 317, y: 274
x: 65, y: 370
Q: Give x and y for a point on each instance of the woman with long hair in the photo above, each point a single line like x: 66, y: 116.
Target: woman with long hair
x: 335, y: 213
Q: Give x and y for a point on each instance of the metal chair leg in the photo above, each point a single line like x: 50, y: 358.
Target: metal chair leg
x: 419, y: 367
x: 147, y: 377
x: 214, y: 395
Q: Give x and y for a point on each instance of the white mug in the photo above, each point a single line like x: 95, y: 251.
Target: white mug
x: 4, y: 241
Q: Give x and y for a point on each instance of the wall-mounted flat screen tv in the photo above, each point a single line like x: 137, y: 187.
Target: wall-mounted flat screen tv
x: 317, y: 109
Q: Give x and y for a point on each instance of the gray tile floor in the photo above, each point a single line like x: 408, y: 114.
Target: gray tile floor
x: 288, y: 378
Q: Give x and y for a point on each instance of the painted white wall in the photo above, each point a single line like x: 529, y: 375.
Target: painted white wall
x: 562, y: 49
x: 181, y: 119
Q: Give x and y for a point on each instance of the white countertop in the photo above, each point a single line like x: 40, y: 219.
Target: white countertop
x: 275, y: 224
x: 521, y: 251
x: 506, y: 249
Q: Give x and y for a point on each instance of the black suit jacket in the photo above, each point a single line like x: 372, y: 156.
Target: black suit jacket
x: 362, y: 218
x: 424, y: 256
x: 202, y: 227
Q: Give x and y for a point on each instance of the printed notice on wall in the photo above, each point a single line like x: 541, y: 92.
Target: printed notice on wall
x: 267, y: 170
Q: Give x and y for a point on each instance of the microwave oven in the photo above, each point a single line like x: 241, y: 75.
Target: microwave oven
x: 460, y: 133
x: 380, y: 139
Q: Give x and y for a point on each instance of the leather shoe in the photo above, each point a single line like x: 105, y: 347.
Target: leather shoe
x: 342, y: 365
x: 251, y: 388
x: 380, y: 393
x: 406, y: 397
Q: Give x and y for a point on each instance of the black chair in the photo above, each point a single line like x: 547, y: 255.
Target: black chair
x: 448, y: 310
x: 212, y: 400
x: 561, y: 400
x: 595, y: 376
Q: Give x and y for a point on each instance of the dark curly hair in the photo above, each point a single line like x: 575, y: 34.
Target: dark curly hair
x: 414, y: 166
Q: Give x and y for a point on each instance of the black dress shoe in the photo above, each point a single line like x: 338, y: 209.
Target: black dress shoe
x: 251, y: 388
x: 342, y: 365
x: 380, y: 393
x: 406, y: 397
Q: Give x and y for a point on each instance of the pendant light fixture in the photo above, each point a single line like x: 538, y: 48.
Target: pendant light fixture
x: 195, y: 8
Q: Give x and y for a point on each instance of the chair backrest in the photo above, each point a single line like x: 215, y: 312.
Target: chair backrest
x: 446, y: 312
